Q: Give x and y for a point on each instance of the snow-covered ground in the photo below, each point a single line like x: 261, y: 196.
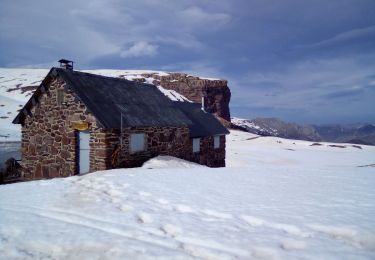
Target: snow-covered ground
x: 276, y: 199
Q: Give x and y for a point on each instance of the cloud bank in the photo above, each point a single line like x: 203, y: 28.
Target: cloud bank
x: 309, y: 62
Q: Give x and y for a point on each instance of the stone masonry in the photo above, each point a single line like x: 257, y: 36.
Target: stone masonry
x: 49, y: 141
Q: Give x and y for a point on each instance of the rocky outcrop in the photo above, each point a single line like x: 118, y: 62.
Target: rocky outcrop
x: 216, y: 92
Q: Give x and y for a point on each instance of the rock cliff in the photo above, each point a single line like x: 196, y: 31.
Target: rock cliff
x: 216, y: 92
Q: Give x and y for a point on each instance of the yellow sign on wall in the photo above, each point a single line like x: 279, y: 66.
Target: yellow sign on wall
x: 81, y: 126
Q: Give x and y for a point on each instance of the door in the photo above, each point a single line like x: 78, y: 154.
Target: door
x: 84, y: 152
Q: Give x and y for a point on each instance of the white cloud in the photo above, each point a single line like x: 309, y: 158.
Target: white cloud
x: 197, y: 16
x: 310, y: 85
x: 355, y: 34
x: 139, y: 49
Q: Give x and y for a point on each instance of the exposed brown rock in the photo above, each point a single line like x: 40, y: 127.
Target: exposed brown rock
x: 216, y: 93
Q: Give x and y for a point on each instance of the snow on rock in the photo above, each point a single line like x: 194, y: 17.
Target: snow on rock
x: 252, y: 127
x: 172, y: 94
x: 268, y: 203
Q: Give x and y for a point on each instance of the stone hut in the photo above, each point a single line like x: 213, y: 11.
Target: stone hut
x: 78, y: 122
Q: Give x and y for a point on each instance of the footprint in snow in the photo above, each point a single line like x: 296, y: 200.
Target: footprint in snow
x: 126, y: 208
x: 144, y: 218
x: 291, y: 244
x: 265, y: 253
x: 171, y: 230
x: 125, y: 185
x: 144, y: 194
x: 287, y: 228
x: 113, y: 193
x: 162, y: 201
x: 216, y: 214
x: 183, y: 208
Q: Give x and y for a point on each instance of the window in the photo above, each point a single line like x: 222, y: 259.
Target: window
x: 196, y: 145
x: 60, y: 97
x: 137, y: 143
x: 217, y: 141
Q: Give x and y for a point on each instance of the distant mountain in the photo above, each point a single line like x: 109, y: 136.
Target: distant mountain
x: 356, y: 134
x: 276, y: 127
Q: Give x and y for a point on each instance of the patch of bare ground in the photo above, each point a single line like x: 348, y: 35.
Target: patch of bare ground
x: 337, y: 146
x: 23, y: 89
x: 252, y: 138
x: 368, y: 165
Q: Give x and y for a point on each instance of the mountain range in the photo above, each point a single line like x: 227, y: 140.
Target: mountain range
x: 17, y: 85
x: 351, y: 133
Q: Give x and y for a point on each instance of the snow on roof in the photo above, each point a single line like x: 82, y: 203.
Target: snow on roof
x: 173, y: 95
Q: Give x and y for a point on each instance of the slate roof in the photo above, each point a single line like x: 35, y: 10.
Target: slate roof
x: 204, y: 124
x: 142, y: 105
x: 106, y: 97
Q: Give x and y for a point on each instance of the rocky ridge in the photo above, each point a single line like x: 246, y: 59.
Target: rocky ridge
x: 356, y: 134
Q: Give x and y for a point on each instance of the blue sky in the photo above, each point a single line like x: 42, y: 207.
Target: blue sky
x: 302, y: 61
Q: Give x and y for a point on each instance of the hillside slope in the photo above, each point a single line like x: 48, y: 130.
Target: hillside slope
x: 276, y: 199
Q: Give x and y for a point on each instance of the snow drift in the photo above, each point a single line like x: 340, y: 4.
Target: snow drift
x: 277, y: 199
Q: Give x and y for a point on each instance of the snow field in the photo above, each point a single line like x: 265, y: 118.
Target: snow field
x: 269, y: 203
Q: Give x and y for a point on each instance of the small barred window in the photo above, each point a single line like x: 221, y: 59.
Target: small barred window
x: 137, y: 143
x: 196, y: 145
x: 217, y: 141
x: 60, y: 97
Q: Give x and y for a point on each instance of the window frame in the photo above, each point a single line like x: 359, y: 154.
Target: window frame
x: 132, y: 143
x: 196, y: 147
x: 217, y: 141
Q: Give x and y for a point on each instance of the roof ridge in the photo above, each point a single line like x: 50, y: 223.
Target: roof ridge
x: 98, y: 75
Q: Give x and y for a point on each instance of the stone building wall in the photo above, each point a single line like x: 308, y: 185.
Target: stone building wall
x: 172, y: 141
x: 208, y: 155
x: 49, y: 141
